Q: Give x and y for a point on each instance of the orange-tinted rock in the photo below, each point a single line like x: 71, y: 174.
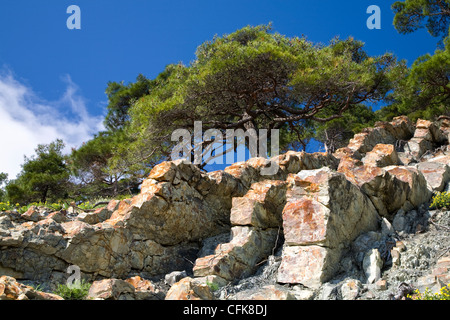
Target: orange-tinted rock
x: 324, y: 213
x: 261, y: 206
x: 141, y: 284
x: 382, y: 155
x: 189, y: 289
x: 403, y: 128
x: 308, y: 265
x: 305, y: 222
x: 418, y: 192
x: 10, y: 289
x: 110, y: 289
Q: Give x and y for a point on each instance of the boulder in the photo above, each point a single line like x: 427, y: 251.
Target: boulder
x: 436, y: 174
x: 418, y: 192
x: 239, y: 257
x: 382, y: 155
x: 372, y: 265
x: 366, y: 140
x: 100, y: 214
x: 429, y: 131
x: 11, y: 290
x: 417, y: 147
x: 389, y: 188
x: 33, y: 214
x: 307, y: 265
x: 111, y: 289
x: 324, y: 213
x: 350, y: 289
x: 256, y: 218
x: 261, y: 206
x: 403, y: 128
x: 189, y: 289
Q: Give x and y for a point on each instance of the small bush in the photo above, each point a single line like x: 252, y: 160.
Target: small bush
x: 443, y: 294
x: 441, y: 200
x: 78, y: 291
x: 212, y: 286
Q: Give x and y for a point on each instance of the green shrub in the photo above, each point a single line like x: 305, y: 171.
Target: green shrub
x: 443, y: 294
x: 212, y: 286
x: 78, y: 291
x: 441, y: 200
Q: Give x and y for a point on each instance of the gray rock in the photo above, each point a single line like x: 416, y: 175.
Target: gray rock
x: 174, y: 277
x: 372, y: 265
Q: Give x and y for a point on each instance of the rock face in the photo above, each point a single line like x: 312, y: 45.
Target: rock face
x: 222, y: 226
x: 324, y: 213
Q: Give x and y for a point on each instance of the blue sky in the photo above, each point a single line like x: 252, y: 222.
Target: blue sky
x: 52, y: 79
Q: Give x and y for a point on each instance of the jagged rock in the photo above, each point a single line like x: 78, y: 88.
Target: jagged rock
x: 418, y: 192
x: 33, y: 214
x: 429, y: 131
x: 261, y: 206
x: 350, y: 289
x: 231, y: 222
x: 238, y: 258
x: 174, y: 276
x: 257, y: 221
x: 10, y: 289
x: 190, y: 289
x: 389, y: 188
x: 111, y: 289
x: 134, y: 288
x: 347, y: 152
x: 403, y: 128
x: 436, y: 174
x: 308, y: 265
x: 323, y: 214
x: 372, y: 265
x: 100, y: 214
x: 382, y: 155
x: 417, y: 147
x: 383, y: 133
x: 141, y: 284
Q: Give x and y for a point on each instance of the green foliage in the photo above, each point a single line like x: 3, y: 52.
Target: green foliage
x: 6, y: 206
x: 254, y: 78
x: 212, y: 286
x: 411, y: 15
x: 424, y: 91
x: 95, y: 170
x: 440, y: 200
x: 121, y: 97
x: 443, y: 294
x: 43, y: 176
x: 336, y: 133
x: 3, y: 180
x: 77, y: 291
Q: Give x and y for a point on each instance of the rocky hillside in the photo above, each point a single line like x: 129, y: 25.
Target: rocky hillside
x: 354, y: 224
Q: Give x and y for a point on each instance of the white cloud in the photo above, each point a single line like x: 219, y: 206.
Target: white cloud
x: 27, y: 120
